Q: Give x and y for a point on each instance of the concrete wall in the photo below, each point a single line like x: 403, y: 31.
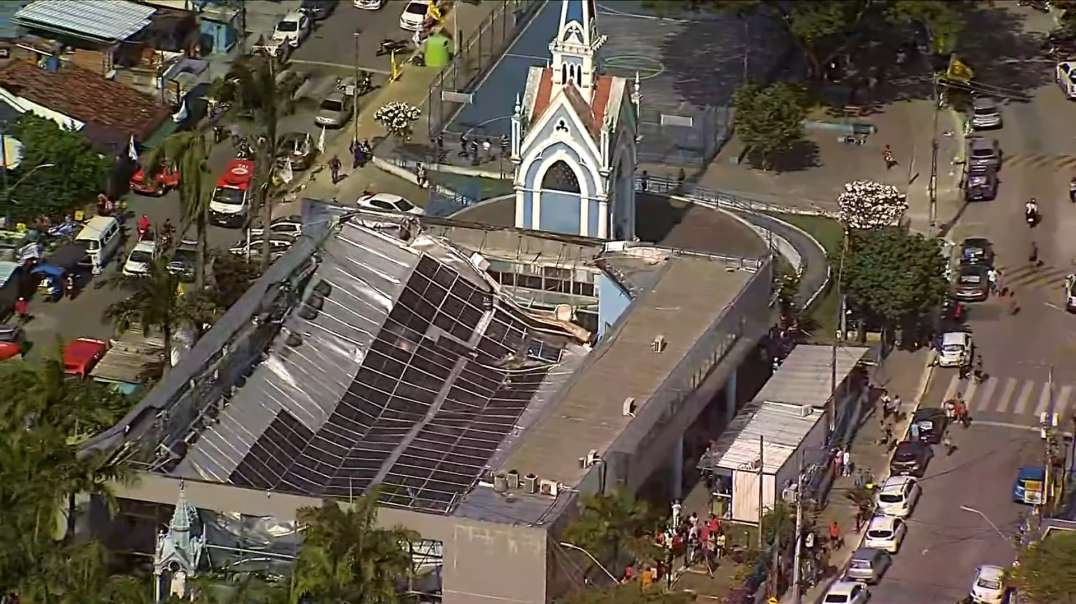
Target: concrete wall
x: 484, y: 562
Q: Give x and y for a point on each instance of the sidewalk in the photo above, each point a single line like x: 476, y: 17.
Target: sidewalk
x: 412, y: 88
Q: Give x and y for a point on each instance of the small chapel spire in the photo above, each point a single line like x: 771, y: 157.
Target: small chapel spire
x: 575, y: 49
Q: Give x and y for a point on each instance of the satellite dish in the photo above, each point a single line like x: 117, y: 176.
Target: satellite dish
x: 12, y: 152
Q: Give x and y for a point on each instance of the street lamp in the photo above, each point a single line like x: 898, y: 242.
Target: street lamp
x: 18, y: 182
x: 592, y: 559
x: 355, y: 93
x: 988, y: 521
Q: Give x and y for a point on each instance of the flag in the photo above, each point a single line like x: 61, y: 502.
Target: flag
x: 321, y: 141
x: 958, y: 70
x: 132, y: 150
x: 286, y: 173
x: 180, y: 115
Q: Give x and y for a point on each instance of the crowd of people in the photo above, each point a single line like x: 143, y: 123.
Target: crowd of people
x: 691, y: 539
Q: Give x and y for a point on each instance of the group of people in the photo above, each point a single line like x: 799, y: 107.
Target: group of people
x: 469, y: 148
x: 361, y: 152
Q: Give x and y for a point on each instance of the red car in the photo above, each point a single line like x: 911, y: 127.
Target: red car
x: 163, y: 181
x: 81, y: 355
x: 12, y: 342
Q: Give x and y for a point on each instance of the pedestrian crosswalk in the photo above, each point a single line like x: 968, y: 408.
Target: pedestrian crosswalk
x: 1013, y: 396
x: 1052, y: 161
x: 1030, y: 275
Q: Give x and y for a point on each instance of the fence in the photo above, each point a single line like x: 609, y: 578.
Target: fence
x: 474, y: 58
x: 719, y: 199
x: 678, y: 137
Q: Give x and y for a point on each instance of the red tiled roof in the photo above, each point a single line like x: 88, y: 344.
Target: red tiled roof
x: 591, y: 113
x: 85, y: 96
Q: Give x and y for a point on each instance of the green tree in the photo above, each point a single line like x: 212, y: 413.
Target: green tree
x: 188, y: 152
x: 895, y: 277
x: 628, y: 593
x: 232, y: 276
x: 347, y: 558
x: 610, y: 525
x: 769, y: 119
x: 77, y: 174
x: 1047, y: 570
x: 155, y: 304
x: 40, y: 471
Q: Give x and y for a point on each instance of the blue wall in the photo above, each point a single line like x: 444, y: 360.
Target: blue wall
x: 593, y: 213
x: 612, y: 302
x: 528, y: 209
x: 559, y: 212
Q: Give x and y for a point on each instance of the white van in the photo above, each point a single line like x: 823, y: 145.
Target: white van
x: 102, y: 236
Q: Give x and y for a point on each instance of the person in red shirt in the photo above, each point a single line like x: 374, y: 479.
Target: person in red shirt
x: 22, y: 309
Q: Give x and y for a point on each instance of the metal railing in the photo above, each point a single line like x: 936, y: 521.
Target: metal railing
x: 664, y: 185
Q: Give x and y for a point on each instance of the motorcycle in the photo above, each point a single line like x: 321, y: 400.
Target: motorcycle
x: 1031, y: 216
x: 1072, y: 191
x: 389, y: 46
x: 365, y: 83
x: 244, y: 150
x: 1040, y: 5
x: 852, y: 139
x: 71, y: 287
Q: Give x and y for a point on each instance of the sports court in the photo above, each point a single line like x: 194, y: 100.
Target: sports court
x: 689, y: 65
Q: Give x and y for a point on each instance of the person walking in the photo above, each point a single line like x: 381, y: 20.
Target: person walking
x: 676, y: 509
x: 334, y: 169
x: 947, y: 442
x: 838, y: 461
x: 487, y: 149
x: 846, y: 462
x: 835, y: 539
x: 1033, y: 255
x: 887, y: 156
x: 992, y: 277
x: 644, y: 181
x: 420, y: 175
x: 22, y: 309
x: 980, y: 375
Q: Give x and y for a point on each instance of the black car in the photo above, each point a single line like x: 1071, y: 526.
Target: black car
x: 910, y: 458
x: 930, y: 425
x: 982, y: 184
x: 977, y: 250
x: 183, y: 260
x: 972, y: 283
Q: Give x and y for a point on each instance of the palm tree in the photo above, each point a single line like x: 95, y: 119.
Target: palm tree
x: 610, y: 525
x: 347, y: 558
x: 156, y: 304
x: 189, y: 153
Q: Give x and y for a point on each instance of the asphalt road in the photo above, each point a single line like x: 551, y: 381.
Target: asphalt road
x: 944, y: 545
x: 332, y: 44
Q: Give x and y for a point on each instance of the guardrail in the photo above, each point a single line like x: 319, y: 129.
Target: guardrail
x: 721, y: 199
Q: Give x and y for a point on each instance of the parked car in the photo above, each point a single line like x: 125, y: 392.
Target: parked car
x: 972, y: 283
x: 414, y: 14
x: 847, y: 592
x: 983, y: 152
x: 369, y: 4
x: 898, y: 496
x: 910, y: 459
x: 387, y: 202
x: 1027, y: 488
x: 868, y: 565
x: 956, y: 349
x: 163, y: 180
x: 12, y: 341
x: 182, y: 262
x: 299, y: 147
x: 318, y: 9
x: 81, y: 355
x: 885, y: 533
x: 278, y: 246
x: 988, y: 587
x: 930, y: 423
x: 985, y: 113
x: 286, y: 226
x: 335, y: 110
x: 140, y: 258
x: 293, y: 28
x: 977, y: 250
x: 981, y: 184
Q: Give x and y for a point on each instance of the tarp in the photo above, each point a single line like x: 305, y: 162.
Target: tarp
x: 49, y: 270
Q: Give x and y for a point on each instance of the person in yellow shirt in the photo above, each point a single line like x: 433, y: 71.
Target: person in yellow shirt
x: 647, y: 578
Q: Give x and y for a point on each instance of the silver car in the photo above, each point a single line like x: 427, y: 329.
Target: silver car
x: 868, y: 565
x: 985, y: 113
x: 983, y: 152
x: 335, y: 110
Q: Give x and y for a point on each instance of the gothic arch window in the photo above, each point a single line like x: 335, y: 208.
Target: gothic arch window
x: 561, y: 177
x: 564, y: 73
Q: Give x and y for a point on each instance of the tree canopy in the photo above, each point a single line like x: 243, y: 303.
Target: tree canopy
x: 1047, y: 570
x: 893, y: 275
x: 628, y: 593
x: 77, y: 173
x: 769, y: 119
x: 611, y: 525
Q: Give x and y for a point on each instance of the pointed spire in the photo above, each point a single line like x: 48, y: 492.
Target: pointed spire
x: 181, y: 519
x: 519, y: 106
x: 575, y: 47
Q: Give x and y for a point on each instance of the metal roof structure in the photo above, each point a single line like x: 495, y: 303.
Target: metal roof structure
x: 781, y: 428
x: 805, y: 376
x: 401, y: 366
x: 98, y: 20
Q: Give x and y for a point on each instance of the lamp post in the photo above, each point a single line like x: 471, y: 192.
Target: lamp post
x: 972, y: 510
x: 592, y: 559
x: 7, y: 190
x: 355, y: 93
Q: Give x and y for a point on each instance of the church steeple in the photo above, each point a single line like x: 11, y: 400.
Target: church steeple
x: 575, y: 49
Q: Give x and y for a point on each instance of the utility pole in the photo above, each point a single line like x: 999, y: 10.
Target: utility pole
x: 761, y: 453
x: 799, y: 531
x: 1047, y: 438
x: 831, y: 406
x: 355, y: 93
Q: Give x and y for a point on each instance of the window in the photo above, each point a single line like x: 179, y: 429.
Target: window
x: 560, y: 177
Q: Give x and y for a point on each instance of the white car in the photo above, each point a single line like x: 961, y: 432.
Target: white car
x: 278, y: 246
x: 293, y: 28
x: 956, y: 350
x: 143, y: 254
x: 282, y: 227
x: 387, y: 202
x: 989, y: 585
x: 898, y: 496
x: 413, y: 16
x: 847, y: 592
x: 369, y: 4
x: 1065, y: 74
x: 885, y: 533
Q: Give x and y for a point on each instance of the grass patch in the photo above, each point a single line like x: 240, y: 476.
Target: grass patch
x: 472, y: 186
x: 821, y: 320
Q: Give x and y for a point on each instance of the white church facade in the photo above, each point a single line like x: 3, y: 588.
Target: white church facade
x: 574, y: 136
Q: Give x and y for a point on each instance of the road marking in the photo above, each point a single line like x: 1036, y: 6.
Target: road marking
x: 969, y: 393
x: 1024, y: 396
x: 1062, y: 401
x: 950, y: 391
x: 985, y: 394
x: 1006, y: 394
x: 512, y: 55
x: 992, y: 424
x: 339, y: 66
x: 1044, y: 399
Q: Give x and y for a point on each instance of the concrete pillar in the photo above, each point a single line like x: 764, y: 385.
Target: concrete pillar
x: 730, y: 396
x: 678, y: 468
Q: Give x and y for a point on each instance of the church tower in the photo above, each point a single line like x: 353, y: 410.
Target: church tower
x: 573, y: 137
x: 178, y: 553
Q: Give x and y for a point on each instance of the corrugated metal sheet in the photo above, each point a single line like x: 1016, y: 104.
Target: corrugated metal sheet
x: 780, y: 427
x: 805, y: 376
x: 106, y: 20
